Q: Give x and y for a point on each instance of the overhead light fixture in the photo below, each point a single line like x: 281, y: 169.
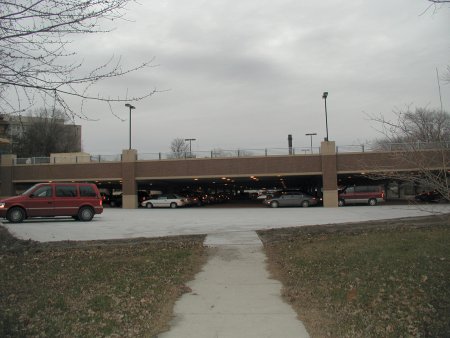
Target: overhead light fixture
x: 324, y: 96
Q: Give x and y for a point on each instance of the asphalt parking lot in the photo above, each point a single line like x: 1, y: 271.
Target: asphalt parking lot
x: 221, y: 223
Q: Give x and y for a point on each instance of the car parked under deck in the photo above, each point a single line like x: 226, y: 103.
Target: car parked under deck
x: 166, y: 201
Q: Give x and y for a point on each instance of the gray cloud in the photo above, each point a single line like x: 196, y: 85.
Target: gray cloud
x: 245, y: 74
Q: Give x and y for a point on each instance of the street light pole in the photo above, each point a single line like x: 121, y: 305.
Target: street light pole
x: 311, y: 135
x: 131, y: 107
x: 324, y: 96
x: 190, y: 144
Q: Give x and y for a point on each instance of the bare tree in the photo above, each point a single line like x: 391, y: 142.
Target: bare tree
x: 44, y: 132
x: 34, y: 56
x: 179, y: 148
x: 422, y: 125
x: 419, y: 139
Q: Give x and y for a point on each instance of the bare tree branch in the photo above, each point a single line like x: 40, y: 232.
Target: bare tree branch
x: 34, y: 41
x: 420, y: 140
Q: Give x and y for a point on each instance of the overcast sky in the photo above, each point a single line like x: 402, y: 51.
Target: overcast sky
x: 245, y: 74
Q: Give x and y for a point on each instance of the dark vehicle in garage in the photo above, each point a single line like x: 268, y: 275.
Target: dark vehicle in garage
x: 291, y: 199
x: 429, y: 197
x: 115, y: 201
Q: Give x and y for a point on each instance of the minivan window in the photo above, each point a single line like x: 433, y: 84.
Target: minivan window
x: 45, y: 191
x: 66, y: 191
x: 367, y: 188
x: 87, y: 191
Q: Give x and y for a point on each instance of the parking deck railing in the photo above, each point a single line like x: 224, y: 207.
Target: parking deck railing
x: 223, y: 153
x: 68, y: 159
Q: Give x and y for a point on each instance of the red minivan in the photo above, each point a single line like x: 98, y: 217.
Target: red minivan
x: 362, y: 194
x: 81, y: 201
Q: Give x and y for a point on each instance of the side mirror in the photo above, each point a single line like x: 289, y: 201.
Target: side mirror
x: 31, y: 195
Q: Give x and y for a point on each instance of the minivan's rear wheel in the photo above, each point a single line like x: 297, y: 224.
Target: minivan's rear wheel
x: 305, y: 204
x: 16, y: 215
x: 372, y: 202
x: 341, y: 203
x: 274, y: 204
x: 85, y: 214
x: 173, y: 205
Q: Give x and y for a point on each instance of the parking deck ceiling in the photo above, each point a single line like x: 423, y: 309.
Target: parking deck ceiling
x: 224, y: 183
x: 239, y: 183
x: 233, y: 183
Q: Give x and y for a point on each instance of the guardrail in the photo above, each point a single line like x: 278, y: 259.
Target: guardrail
x: 223, y: 153
x: 412, y: 146
x: 358, y: 148
x: 68, y: 159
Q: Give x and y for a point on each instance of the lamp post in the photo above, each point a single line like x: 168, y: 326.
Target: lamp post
x: 131, y: 107
x: 324, y: 96
x: 190, y: 144
x: 311, y: 135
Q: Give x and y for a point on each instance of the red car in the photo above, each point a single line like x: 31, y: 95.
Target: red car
x: 362, y: 194
x: 78, y: 200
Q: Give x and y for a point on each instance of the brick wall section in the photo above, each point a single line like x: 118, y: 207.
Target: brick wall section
x: 129, y: 184
x: 293, y: 165
x: 7, y: 175
x: 329, y: 173
x: 386, y: 161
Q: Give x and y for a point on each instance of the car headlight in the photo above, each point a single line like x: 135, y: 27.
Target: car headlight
x: 2, y: 204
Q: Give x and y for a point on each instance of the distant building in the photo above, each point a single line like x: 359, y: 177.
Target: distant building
x: 12, y: 128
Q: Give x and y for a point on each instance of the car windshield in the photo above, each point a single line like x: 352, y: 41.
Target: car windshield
x: 27, y: 192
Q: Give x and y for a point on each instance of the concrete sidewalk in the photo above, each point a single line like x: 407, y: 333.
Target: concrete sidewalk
x: 233, y: 296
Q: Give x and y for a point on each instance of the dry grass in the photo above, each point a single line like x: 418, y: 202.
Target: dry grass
x: 93, y: 289
x: 375, y: 279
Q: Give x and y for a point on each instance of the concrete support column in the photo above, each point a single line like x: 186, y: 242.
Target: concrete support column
x: 329, y: 174
x: 129, y: 185
x: 6, y: 175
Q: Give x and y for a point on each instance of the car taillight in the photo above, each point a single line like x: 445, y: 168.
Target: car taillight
x: 382, y: 194
x: 101, y: 202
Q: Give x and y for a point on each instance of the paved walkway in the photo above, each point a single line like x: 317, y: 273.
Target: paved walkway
x: 233, y: 296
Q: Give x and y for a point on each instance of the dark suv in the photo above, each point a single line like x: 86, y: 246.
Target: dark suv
x: 115, y: 201
x: 79, y: 200
x: 361, y: 194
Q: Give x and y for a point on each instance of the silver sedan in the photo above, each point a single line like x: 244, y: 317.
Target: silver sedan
x: 165, y: 201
